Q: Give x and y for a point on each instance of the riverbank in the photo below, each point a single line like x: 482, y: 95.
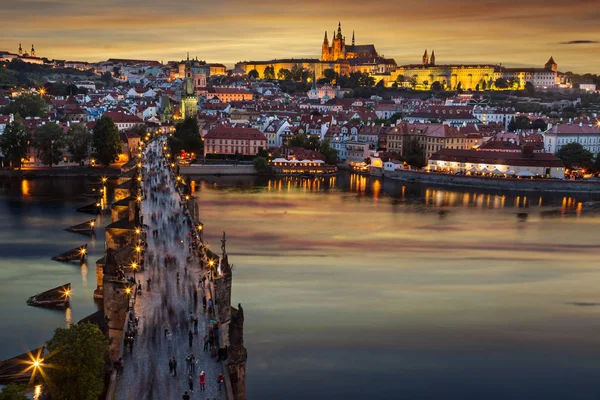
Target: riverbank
x: 526, y: 185
x: 62, y: 171
x: 220, y: 169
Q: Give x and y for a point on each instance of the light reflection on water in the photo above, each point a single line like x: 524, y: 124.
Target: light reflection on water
x: 355, y: 287
x: 367, y: 288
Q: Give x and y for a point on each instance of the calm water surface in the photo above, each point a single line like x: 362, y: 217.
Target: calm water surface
x: 357, y: 288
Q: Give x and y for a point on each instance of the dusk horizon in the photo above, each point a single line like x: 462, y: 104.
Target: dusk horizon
x: 506, y: 33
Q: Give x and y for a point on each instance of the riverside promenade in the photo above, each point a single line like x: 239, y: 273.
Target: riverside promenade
x: 169, y: 301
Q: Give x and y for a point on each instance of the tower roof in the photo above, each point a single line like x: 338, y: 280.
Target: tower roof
x: 551, y: 61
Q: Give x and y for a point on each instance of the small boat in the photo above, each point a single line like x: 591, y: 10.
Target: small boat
x: 19, y: 369
x: 76, y: 254
x: 85, y: 228
x: 93, y: 208
x: 58, y: 297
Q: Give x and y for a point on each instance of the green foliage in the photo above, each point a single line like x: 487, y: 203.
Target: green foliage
x: 297, y: 73
x: 270, y: 72
x: 519, y: 123
x: 27, y: 105
x: 412, y: 153
x: 106, y: 140
x: 77, y: 356
x: 436, y: 86
x: 253, y: 74
x: 529, y: 88
x: 400, y: 79
x: 574, y: 155
x: 284, y: 74
x: 330, y: 75
x: 14, y: 143
x: 61, y: 89
x: 260, y: 163
x: 501, y: 83
x: 297, y: 140
x: 186, y: 137
x: 331, y: 154
x: 48, y: 140
x: 78, y: 141
x: 14, y: 391
x: 539, y: 124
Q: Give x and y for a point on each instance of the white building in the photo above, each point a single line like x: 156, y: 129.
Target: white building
x: 587, y: 135
x: 497, y: 163
x: 588, y: 87
x: 501, y: 115
x: 357, y: 152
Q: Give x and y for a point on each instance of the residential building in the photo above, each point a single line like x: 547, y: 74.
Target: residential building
x: 228, y: 140
x: 587, y: 135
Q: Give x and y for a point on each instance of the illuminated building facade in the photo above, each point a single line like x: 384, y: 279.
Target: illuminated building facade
x: 339, y: 51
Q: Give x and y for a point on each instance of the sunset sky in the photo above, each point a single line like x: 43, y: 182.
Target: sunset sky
x: 511, y: 32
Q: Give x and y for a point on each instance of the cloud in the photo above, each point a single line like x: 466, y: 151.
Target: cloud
x: 580, y: 42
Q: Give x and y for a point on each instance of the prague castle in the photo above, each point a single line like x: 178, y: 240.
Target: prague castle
x: 345, y: 59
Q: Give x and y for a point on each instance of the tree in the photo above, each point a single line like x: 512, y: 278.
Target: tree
x: 296, y: 73
x: 270, y: 72
x: 459, y: 87
x: 539, y: 124
x: 400, y: 79
x: 366, y: 79
x: 331, y: 154
x: 529, y: 88
x: 253, y: 74
x: 284, y: 74
x: 260, y: 163
x: 78, y: 141
x: 49, y: 140
x: 381, y: 83
x: 14, y: 391
x: 501, y: 83
x: 413, y: 82
x: 77, y: 355
x: 106, y: 77
x: 330, y: 75
x: 574, y: 155
x: 297, y: 140
x: 106, y: 140
x: 186, y: 137
x: 14, y: 143
x: 436, y: 86
x: 519, y: 123
x: 412, y: 153
x: 27, y: 105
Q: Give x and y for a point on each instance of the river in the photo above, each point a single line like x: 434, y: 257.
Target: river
x: 357, y: 288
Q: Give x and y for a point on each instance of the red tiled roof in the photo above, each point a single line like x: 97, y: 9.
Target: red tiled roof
x: 497, y: 157
x: 228, y: 132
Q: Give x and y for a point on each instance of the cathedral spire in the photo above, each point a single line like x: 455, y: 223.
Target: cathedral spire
x: 32, y: 51
x: 352, y: 38
x: 432, y: 58
x: 20, y: 50
x: 325, y: 40
x: 339, y: 30
x: 425, y: 58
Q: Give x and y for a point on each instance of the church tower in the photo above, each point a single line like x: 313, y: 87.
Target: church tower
x: 432, y: 58
x: 551, y: 65
x: 32, y: 51
x: 20, y: 50
x: 189, y: 100
x: 353, y: 43
x: 425, y: 58
x: 325, y: 55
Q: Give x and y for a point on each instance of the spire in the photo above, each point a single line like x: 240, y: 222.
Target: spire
x: 432, y: 58
x: 352, y: 38
x: 32, y: 51
x: 20, y: 50
x: 339, y: 30
x: 188, y: 56
x: 425, y: 58
x: 325, y: 40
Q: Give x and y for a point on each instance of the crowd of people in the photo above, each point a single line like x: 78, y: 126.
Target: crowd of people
x: 175, y: 263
